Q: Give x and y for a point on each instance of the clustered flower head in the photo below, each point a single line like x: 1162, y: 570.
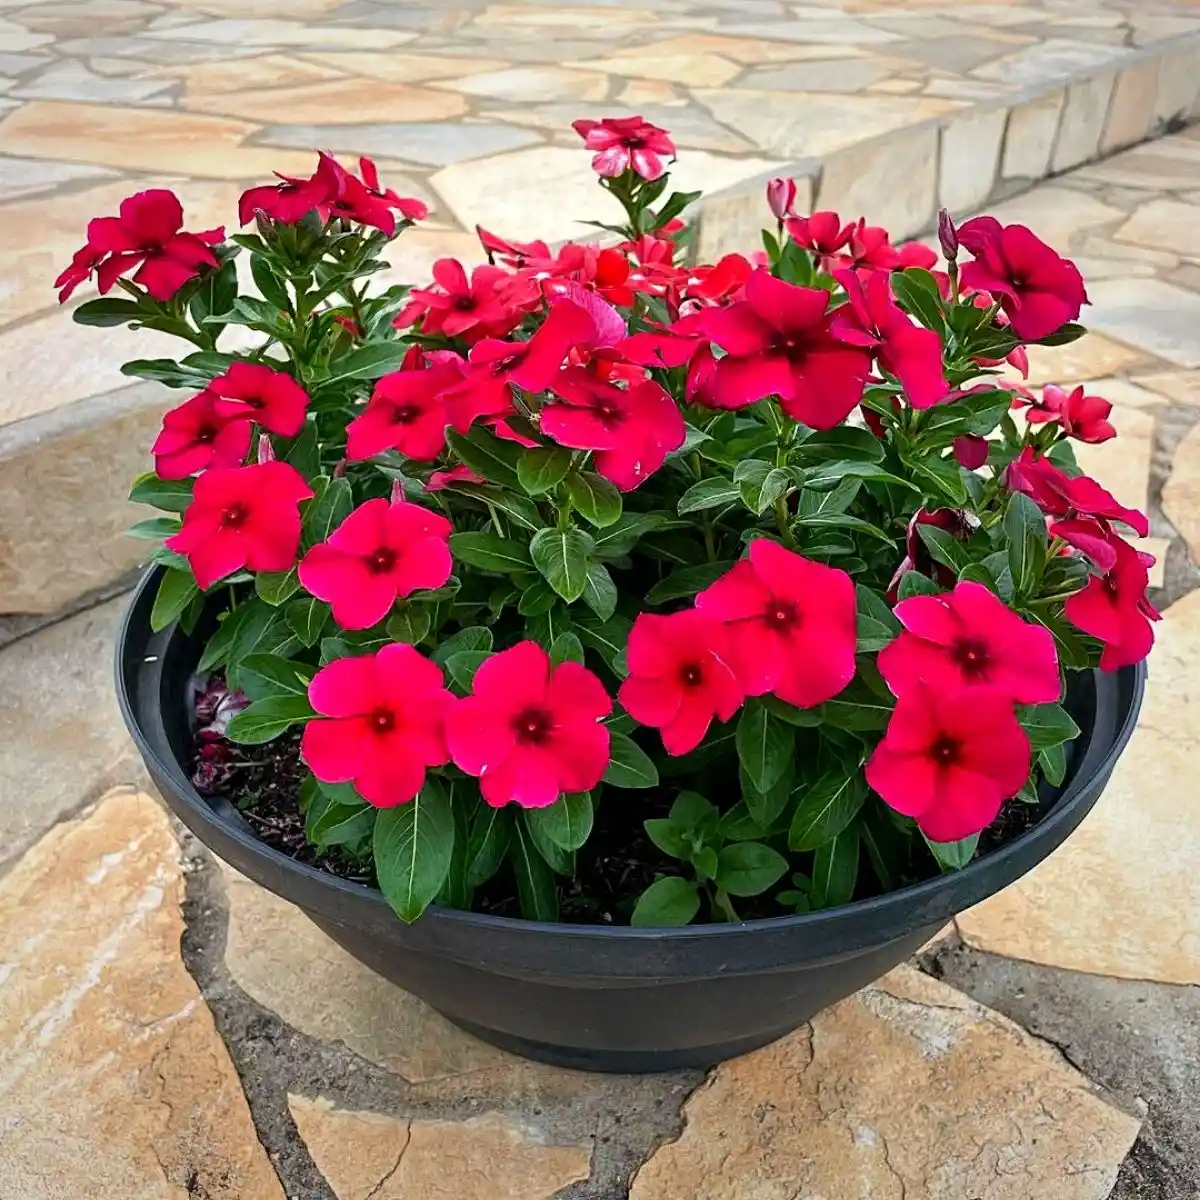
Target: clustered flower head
x: 582, y: 520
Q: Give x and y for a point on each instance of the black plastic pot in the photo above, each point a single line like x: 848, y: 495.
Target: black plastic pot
x: 595, y: 997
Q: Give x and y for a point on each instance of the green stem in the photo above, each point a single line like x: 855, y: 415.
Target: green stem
x: 781, y: 519
x: 724, y: 906
x: 710, y: 545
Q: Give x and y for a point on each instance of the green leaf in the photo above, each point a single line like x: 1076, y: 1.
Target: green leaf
x: 561, y: 555
x: 765, y: 745
x: 877, y: 624
x: 836, y: 520
x: 594, y: 499
x: 369, y: 362
x: 705, y: 861
x: 675, y: 204
x: 737, y: 825
x: 153, y: 529
x: 619, y: 538
x: 1047, y: 725
x: 668, y: 902
x: 217, y: 292
x: 1053, y: 760
x: 917, y: 291
x: 749, y: 868
x: 567, y: 822
x: 566, y: 648
x: 886, y: 846
x: 263, y: 675
x: 413, y: 846
x: 669, y: 836
x: 536, y: 889
x: 461, y: 667
x: 686, y: 582
x: 304, y: 451
x: 331, y: 504
x: 709, y: 493
x: 543, y: 468
x: 941, y: 478
x: 837, y: 499
x: 844, y: 442
x: 827, y: 807
x: 473, y: 637
x: 487, y: 455
x: 171, y: 495
x: 276, y: 586
x: 599, y: 591
x: 559, y: 860
x: 165, y: 370
x: 835, y: 870
x: 765, y: 807
x: 536, y: 599
x: 629, y: 765
x: 519, y: 509
x: 266, y: 719
x: 107, y: 311
x: 410, y: 624
x: 489, y: 552
x: 607, y: 638
x: 944, y: 547
x: 913, y: 583
x: 175, y: 592
x: 758, y: 496
x: 953, y: 856
x: 1025, y: 532
x: 307, y: 618
x: 337, y: 816
x: 219, y: 645
x: 491, y: 830
x: 1070, y: 332
x: 268, y: 283
x: 977, y: 573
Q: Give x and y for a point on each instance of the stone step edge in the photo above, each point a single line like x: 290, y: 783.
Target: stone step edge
x: 987, y: 151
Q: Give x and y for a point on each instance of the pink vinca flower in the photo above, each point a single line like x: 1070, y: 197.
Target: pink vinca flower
x: 626, y: 143
x: 196, y: 436
x: 791, y: 624
x: 382, y: 551
x: 1038, y: 290
x: 1082, y: 417
x: 968, y: 637
x: 778, y: 342
x: 531, y: 731
x: 260, y: 393
x: 384, y: 724
x: 406, y: 412
x: 681, y: 677
x: 242, y: 517
x: 1114, y: 608
x: 630, y: 431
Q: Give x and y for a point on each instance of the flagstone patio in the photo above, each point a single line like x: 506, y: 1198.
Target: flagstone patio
x: 173, y: 1032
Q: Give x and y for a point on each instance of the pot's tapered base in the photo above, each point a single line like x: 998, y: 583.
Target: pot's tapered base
x: 621, y: 1062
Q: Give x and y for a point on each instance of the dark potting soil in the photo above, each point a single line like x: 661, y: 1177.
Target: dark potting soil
x: 618, y: 863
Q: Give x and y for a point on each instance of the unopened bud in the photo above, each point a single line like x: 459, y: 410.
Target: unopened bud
x: 947, y: 235
x: 266, y: 452
x: 781, y: 196
x: 397, y: 491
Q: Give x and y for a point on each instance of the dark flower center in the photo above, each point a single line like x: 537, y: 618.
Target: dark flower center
x: 464, y: 303
x: 382, y: 720
x: 945, y: 751
x: 610, y: 416
x: 794, y: 346
x: 405, y: 414
x: 381, y: 561
x: 781, y: 616
x: 206, y: 434
x: 690, y: 675
x: 235, y: 516
x: 971, y: 656
x: 533, y: 725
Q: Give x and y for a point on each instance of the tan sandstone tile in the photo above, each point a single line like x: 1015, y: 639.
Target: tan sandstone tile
x: 1122, y: 395
x: 733, y: 221
x: 271, y: 70
x: 908, y: 1089
x: 1181, y: 492
x: 1165, y: 165
x: 1152, y: 315
x: 1131, y: 112
x: 970, y: 152
x: 369, y: 1156
x: 145, y: 140
x: 1082, y: 121
x: 1032, y: 128
x: 533, y: 85
x: 648, y: 62
x: 1181, y: 387
x: 1178, y: 84
x: 1165, y: 225
x: 115, y: 1082
x: 336, y: 102
x: 262, y: 32
x: 1122, y: 464
x: 404, y: 68
x: 750, y: 51
x: 648, y: 91
x: 1140, y: 843
x: 298, y: 9
x: 543, y: 20
x: 1056, y: 214
x: 1091, y: 357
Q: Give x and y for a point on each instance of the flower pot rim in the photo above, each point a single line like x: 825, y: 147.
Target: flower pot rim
x: 1095, y: 763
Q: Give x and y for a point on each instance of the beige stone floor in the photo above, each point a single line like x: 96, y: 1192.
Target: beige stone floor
x: 172, y: 1032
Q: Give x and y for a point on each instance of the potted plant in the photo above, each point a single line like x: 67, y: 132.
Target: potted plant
x: 628, y: 657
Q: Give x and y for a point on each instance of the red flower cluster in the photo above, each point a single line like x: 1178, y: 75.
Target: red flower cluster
x: 332, y: 191
x: 624, y: 144
x: 145, y: 238
x: 954, y: 751
x: 1084, y: 418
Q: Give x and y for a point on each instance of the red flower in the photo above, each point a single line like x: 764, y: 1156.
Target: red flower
x: 516, y: 254
x: 967, y: 637
x: 870, y: 248
x: 497, y: 367
x: 971, y: 451
x: 791, y: 624
x: 1090, y: 537
x: 680, y: 677
x: 258, y: 392
x: 147, y: 236
x: 440, y: 480
x: 631, y: 431
x: 385, y: 724
x: 406, y: 412
x: 822, y: 233
x: 381, y: 199
x: 1114, y: 608
x: 381, y: 551
x: 293, y: 199
x: 242, y: 517
x: 1082, y: 417
x: 915, y: 254
x: 781, y: 197
x: 720, y: 282
x: 197, y: 435
x: 491, y: 303
x: 1060, y: 495
x: 531, y: 731
x: 626, y: 143
x: 1038, y: 290
x: 906, y: 350
x: 950, y: 759
x: 603, y: 271
x: 778, y: 342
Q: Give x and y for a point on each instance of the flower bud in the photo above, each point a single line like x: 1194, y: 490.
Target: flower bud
x: 947, y: 235
x: 266, y: 452
x: 781, y: 196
